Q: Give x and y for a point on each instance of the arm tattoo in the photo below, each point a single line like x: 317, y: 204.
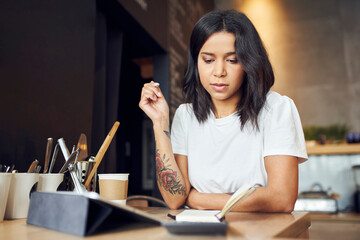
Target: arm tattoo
x: 166, y: 177
x: 167, y: 133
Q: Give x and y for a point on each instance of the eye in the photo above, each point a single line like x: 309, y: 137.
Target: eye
x: 233, y: 60
x: 208, y: 60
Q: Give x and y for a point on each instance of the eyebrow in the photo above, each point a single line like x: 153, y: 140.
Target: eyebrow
x: 212, y: 54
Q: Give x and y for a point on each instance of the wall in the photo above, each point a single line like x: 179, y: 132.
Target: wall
x: 47, y: 74
x: 314, y: 47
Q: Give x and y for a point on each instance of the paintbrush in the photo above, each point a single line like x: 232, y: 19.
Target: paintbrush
x: 101, y: 152
x: 33, y: 166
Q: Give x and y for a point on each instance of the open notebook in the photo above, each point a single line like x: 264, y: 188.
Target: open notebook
x: 216, y: 215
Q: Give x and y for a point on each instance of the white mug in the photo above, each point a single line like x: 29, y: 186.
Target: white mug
x: 49, y: 182
x: 19, y: 194
x: 5, y: 180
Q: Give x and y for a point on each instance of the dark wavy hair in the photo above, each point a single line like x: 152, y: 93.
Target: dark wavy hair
x: 258, y: 78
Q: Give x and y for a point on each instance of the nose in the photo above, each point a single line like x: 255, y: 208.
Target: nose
x: 219, y: 69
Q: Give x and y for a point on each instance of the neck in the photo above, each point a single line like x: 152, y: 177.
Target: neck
x: 224, y: 109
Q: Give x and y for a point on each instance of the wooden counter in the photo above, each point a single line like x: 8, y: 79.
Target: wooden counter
x: 335, y: 226
x: 333, y: 149
x: 246, y: 225
x: 339, y: 217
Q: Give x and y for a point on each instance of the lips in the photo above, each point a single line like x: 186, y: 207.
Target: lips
x: 219, y: 87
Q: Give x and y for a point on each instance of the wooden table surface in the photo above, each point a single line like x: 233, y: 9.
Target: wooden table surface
x: 241, y: 225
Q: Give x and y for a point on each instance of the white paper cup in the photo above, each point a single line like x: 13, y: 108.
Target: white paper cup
x: 19, y: 194
x: 5, y: 180
x: 114, y: 187
x: 49, y: 182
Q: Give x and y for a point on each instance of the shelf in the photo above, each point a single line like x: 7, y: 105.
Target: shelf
x: 333, y: 149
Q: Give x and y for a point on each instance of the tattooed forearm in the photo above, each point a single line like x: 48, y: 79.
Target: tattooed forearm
x: 166, y: 177
x: 167, y: 133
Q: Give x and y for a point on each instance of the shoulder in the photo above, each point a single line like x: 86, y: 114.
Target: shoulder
x: 182, y: 119
x: 183, y: 114
x: 184, y: 110
x: 274, y: 98
x: 277, y: 104
x: 184, y: 106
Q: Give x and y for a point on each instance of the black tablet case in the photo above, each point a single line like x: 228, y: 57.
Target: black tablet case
x: 80, y: 215
x: 196, y: 228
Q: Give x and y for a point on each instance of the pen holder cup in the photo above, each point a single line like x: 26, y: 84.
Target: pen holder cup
x: 49, y: 182
x: 21, y: 186
x: 5, y: 180
x: 83, y: 170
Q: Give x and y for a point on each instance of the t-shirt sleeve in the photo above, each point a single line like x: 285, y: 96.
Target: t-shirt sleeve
x: 178, y: 131
x: 283, y: 133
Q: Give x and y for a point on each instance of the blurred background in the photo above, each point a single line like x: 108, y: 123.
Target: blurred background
x: 70, y: 67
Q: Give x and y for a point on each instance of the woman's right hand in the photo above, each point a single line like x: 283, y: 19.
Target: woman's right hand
x: 153, y: 103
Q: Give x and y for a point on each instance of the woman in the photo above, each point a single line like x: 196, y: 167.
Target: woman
x: 232, y: 130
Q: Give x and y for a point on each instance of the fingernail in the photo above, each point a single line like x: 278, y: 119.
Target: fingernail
x: 156, y: 84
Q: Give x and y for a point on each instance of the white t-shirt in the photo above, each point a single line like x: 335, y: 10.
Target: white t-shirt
x: 222, y: 157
